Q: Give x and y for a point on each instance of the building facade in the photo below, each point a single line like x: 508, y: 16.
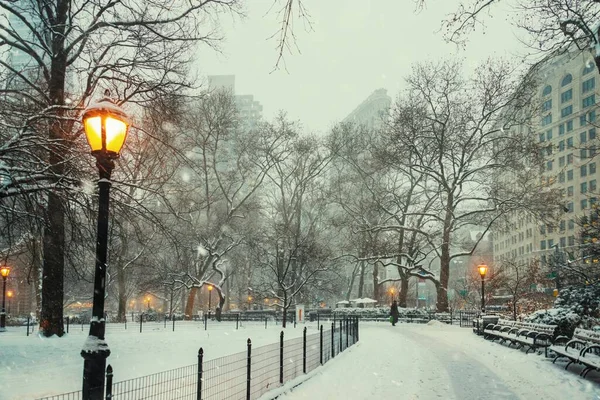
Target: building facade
x: 372, y: 110
x: 566, y: 132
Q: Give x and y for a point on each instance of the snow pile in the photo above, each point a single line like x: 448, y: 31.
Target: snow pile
x: 575, y: 307
x: 434, y: 322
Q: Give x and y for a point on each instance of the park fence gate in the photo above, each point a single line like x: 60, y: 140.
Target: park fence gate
x: 246, y: 375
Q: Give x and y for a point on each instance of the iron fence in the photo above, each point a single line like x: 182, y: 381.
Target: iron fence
x: 246, y: 375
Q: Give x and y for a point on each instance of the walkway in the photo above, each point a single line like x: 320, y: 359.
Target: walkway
x: 435, y: 361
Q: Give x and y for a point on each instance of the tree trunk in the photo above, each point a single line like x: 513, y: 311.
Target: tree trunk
x: 285, y: 308
x: 403, y: 291
x: 189, y: 305
x: 121, y: 295
x: 361, y: 279
x: 376, y: 281
x: 442, y: 290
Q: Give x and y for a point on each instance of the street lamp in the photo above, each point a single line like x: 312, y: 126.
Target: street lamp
x: 148, y: 302
x: 482, y: 271
x: 392, y: 294
x: 4, y: 271
x: 106, y: 125
x: 210, y: 289
x: 9, y: 294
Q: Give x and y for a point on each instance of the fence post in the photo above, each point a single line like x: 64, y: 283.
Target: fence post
x: 318, y: 320
x: 304, y: 351
x: 109, y: 378
x: 199, y: 382
x: 68, y: 320
x: 460, y: 319
x: 341, y: 340
x: 165, y: 321
x: 321, y: 344
x: 173, y: 323
x: 248, y: 369
x: 281, y: 357
x: 294, y: 319
x: 205, y: 321
x: 451, y: 322
x: 28, y: 317
x: 347, y: 333
x: 141, y: 321
x: 265, y: 322
x: 357, y: 327
x: 125, y: 321
x: 81, y: 326
x: 332, y: 339
x: 237, y: 321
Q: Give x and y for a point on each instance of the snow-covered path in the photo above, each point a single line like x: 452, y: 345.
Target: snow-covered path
x: 439, y: 361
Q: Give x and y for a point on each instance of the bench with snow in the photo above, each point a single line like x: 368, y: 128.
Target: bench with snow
x: 521, y: 334
x: 583, y: 349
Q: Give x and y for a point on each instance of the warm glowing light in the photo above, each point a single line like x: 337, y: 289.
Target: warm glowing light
x: 392, y: 290
x: 249, y: 298
x: 210, y: 288
x: 9, y: 293
x: 482, y: 270
x: 106, y: 126
x: 4, y: 271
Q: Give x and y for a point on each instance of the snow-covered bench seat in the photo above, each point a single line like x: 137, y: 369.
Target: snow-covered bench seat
x: 522, y: 334
x: 583, y: 348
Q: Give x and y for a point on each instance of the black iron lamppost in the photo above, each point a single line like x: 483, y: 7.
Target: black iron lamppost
x: 210, y: 289
x: 106, y: 125
x: 4, y: 271
x: 392, y: 295
x: 9, y: 294
x: 482, y: 271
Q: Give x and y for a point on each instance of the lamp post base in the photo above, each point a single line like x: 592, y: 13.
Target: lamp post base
x: 94, y: 367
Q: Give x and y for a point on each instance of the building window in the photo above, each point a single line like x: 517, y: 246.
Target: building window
x: 570, y: 158
x: 568, y: 110
x: 547, y: 105
x: 547, y: 120
x: 550, y: 243
x: 583, y: 137
x: 592, y: 116
x: 566, y: 80
x: 570, y: 142
x: 588, y: 85
x: 589, y: 67
x: 582, y: 120
x: 571, y: 240
x: 542, y: 244
x: 562, y: 225
x: 570, y: 207
x: 561, y: 176
x: 571, y: 224
x: 547, y: 90
x: 561, y: 129
x: 583, y: 187
x: 549, y: 165
x: 583, y: 153
x: 566, y: 96
x: 570, y: 191
x: 593, y: 185
x: 561, y: 161
x: 563, y: 242
x: 570, y: 175
x: 549, y: 134
x: 592, y: 151
x: 561, y: 145
x: 584, y: 204
x: 583, y: 170
x: 592, y: 168
x: 589, y: 101
x: 592, y: 134
x: 569, y: 125
x: 542, y: 137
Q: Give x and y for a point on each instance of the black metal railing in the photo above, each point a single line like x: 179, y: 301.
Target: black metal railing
x: 246, y: 375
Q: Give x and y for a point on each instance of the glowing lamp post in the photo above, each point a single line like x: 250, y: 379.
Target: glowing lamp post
x: 106, y: 125
x: 9, y: 294
x: 482, y: 271
x: 392, y: 291
x: 4, y: 271
x: 210, y: 289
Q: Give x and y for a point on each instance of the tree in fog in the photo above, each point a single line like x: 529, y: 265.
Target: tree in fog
x: 73, y: 50
x: 467, y: 137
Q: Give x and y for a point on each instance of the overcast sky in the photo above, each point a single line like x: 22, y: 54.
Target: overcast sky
x: 353, y: 48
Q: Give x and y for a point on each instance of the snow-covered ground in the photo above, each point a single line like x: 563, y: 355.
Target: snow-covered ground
x: 33, y: 367
x: 408, y: 361
x: 439, y: 361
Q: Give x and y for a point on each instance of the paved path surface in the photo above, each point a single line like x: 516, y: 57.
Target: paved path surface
x: 412, y: 361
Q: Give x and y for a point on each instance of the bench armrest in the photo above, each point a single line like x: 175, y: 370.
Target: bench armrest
x: 561, y: 340
x: 587, y: 349
x: 542, y: 336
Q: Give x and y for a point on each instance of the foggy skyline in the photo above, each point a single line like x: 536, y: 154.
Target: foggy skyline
x: 352, y: 49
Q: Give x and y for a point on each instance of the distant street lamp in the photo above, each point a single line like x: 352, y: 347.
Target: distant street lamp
x: 148, y: 302
x: 106, y: 125
x: 482, y: 271
x: 9, y: 294
x: 4, y: 271
x: 210, y: 289
x: 392, y: 291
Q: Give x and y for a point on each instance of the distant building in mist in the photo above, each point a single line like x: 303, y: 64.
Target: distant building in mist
x: 371, y: 111
x: 250, y: 110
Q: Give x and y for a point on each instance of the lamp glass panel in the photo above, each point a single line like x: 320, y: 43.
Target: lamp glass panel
x: 116, y: 131
x: 93, y: 132
x: 4, y: 271
x: 482, y: 270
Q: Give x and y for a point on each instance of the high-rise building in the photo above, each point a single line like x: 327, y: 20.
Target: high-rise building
x: 371, y: 111
x: 249, y: 110
x: 566, y: 131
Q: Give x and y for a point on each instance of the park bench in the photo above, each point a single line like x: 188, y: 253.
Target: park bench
x: 522, y: 334
x: 583, y: 348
